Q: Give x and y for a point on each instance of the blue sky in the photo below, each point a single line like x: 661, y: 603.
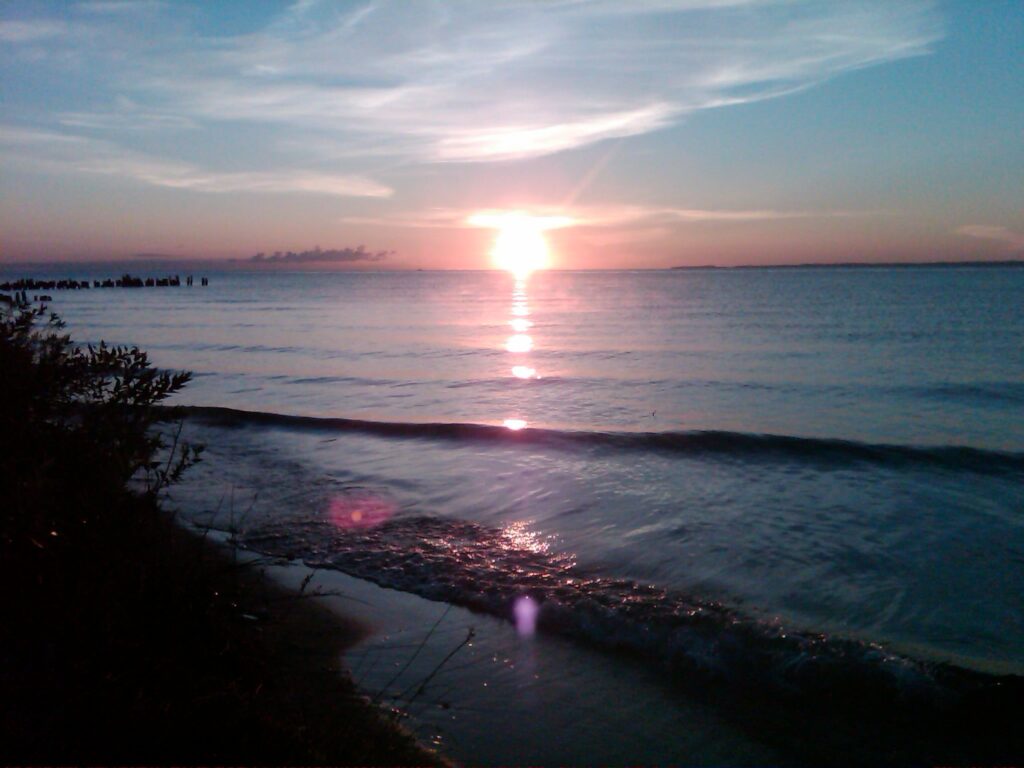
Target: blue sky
x: 666, y: 131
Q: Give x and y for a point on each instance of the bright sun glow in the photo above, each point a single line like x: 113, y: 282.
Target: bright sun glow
x: 520, y: 246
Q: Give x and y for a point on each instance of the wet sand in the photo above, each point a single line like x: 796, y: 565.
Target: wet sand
x: 182, y: 654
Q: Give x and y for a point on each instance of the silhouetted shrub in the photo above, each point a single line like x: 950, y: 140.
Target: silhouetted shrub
x: 77, y: 424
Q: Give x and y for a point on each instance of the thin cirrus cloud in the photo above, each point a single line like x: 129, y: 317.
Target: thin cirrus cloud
x: 1012, y: 241
x: 592, y: 216
x: 467, y: 81
x: 61, y: 152
x: 13, y: 31
x: 121, y: 6
x: 484, y: 81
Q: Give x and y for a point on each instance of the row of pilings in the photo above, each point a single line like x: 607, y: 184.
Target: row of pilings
x: 24, y: 285
x: 125, y: 281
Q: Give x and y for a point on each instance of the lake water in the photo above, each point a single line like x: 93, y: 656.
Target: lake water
x: 724, y: 470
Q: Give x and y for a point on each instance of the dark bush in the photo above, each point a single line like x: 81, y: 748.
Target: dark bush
x: 124, y: 638
x: 78, y: 425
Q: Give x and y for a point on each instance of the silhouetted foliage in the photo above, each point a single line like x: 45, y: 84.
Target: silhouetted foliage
x: 124, y: 638
x: 78, y: 424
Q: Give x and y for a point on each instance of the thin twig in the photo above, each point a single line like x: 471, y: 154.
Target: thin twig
x: 469, y: 636
x: 412, y: 658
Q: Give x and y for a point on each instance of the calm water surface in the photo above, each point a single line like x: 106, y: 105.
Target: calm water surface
x: 831, y: 450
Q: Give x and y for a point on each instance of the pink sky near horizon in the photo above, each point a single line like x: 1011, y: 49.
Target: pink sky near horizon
x: 670, y: 133
x: 585, y: 247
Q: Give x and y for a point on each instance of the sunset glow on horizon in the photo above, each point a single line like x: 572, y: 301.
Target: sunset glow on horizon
x: 585, y: 135
x: 606, y: 370
x: 520, y: 246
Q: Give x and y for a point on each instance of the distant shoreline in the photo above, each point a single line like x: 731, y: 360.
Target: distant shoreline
x: 225, y: 265
x: 1017, y: 263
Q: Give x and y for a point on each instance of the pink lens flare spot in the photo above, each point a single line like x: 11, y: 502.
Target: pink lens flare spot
x: 350, y: 511
x: 514, y: 424
x: 525, y: 612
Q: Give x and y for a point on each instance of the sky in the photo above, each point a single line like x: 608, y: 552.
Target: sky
x: 639, y: 134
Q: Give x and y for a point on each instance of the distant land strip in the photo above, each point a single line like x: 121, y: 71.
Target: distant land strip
x: 865, y: 265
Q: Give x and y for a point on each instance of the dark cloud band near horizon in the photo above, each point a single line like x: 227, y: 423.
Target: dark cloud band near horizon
x: 319, y: 256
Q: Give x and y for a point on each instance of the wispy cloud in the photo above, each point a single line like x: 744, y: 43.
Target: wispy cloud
x: 30, y: 31
x: 121, y: 6
x: 620, y: 215
x: 650, y: 218
x: 483, y: 81
x: 138, y: 121
x: 63, y: 152
x: 1012, y: 241
x: 512, y: 142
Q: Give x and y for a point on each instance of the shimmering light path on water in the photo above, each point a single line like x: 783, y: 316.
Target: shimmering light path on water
x: 884, y: 504
x: 921, y: 356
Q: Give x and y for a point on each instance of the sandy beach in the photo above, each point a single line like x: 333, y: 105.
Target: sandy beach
x: 163, y: 647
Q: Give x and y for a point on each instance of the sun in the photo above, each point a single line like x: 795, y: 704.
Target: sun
x: 520, y: 246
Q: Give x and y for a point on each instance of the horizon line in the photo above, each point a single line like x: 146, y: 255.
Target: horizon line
x: 240, y: 265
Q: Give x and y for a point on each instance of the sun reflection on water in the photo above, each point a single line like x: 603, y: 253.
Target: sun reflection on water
x: 519, y: 536
x: 524, y: 372
x: 520, y: 342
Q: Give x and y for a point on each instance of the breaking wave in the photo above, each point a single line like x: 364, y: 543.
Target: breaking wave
x: 705, y: 643
x: 742, y: 446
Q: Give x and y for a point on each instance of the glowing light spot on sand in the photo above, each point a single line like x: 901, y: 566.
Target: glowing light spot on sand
x: 519, y: 325
x: 358, y: 511
x: 514, y: 424
x: 524, y: 372
x: 520, y: 342
x: 525, y: 613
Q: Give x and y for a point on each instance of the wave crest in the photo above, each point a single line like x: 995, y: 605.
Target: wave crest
x: 739, y: 446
